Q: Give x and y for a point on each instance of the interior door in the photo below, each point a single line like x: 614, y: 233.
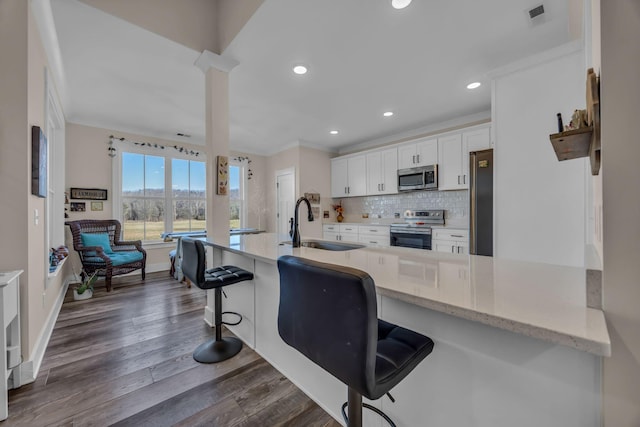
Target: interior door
x: 285, y: 199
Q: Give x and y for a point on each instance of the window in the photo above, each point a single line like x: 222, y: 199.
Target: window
x: 161, y: 194
x: 237, y: 204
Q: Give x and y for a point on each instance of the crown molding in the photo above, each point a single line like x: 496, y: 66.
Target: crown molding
x: 208, y: 59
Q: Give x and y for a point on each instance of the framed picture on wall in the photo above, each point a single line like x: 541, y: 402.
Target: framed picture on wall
x: 78, y: 207
x: 38, y: 162
x: 96, y: 206
x: 223, y: 175
x: 88, y: 194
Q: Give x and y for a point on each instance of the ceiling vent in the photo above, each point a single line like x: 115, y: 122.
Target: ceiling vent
x: 536, y: 11
x: 537, y: 15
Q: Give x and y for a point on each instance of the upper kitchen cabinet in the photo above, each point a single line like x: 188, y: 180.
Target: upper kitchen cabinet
x: 349, y: 176
x: 382, y: 172
x: 453, y: 156
x: 423, y: 152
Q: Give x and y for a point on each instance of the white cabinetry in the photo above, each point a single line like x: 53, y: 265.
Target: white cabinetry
x: 340, y: 232
x: 374, y: 235
x: 453, y: 156
x: 418, y: 153
x: 10, y: 350
x: 349, y: 176
x: 450, y: 240
x: 382, y: 172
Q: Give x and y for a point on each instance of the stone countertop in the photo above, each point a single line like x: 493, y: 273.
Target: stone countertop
x: 538, y: 300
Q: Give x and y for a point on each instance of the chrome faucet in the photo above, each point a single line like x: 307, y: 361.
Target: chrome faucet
x: 295, y: 239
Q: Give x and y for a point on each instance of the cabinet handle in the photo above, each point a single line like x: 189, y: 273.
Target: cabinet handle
x: 464, y: 179
x: 457, y: 235
x: 345, y: 190
x: 382, y: 186
x: 418, y: 158
x: 414, y: 159
x: 373, y: 231
x: 458, y: 179
x: 372, y: 242
x: 458, y: 248
x: 452, y: 248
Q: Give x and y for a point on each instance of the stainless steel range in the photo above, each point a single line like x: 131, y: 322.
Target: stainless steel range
x: 416, y: 231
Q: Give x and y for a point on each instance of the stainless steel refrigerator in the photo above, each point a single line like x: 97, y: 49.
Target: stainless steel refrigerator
x: 481, y: 202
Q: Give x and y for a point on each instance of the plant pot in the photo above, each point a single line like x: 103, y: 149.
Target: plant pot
x: 339, y: 218
x: 85, y: 295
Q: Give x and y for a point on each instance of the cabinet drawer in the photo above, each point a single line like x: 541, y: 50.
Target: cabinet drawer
x: 330, y: 227
x: 348, y: 229
x: 374, y: 230
x: 457, y: 235
x: 374, y: 240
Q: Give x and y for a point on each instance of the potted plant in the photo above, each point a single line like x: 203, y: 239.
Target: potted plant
x: 85, y: 289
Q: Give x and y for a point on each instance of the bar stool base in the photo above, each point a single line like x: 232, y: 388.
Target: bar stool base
x: 215, y: 351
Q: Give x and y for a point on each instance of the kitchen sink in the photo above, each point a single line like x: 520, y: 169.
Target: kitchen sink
x: 327, y: 246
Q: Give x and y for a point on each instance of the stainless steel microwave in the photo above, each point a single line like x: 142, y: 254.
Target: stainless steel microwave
x: 422, y: 178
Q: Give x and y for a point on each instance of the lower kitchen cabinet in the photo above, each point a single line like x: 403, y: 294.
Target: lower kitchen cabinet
x: 450, y: 240
x: 340, y: 232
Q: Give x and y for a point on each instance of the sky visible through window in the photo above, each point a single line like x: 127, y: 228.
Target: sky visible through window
x: 133, y: 173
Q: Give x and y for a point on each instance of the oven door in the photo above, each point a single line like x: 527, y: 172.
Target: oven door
x: 411, y: 238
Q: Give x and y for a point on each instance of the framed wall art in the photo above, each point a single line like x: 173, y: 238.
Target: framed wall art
x: 96, y: 206
x: 78, y: 207
x: 223, y: 175
x: 88, y: 194
x: 38, y: 162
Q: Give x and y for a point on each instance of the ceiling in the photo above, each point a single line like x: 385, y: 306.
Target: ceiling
x: 364, y: 58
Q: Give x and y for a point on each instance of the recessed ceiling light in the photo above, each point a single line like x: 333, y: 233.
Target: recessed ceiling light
x: 474, y: 85
x: 388, y: 113
x: 333, y: 132
x: 400, y: 4
x: 300, y: 69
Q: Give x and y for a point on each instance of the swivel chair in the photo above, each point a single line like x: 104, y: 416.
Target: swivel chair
x: 194, y: 268
x: 329, y: 314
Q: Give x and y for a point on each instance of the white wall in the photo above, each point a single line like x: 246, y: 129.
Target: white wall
x: 539, y: 201
x: 620, y: 109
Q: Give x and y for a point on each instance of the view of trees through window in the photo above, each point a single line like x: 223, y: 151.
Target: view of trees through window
x: 148, y: 209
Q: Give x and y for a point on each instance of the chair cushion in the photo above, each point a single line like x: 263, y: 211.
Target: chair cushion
x: 117, y: 258
x: 96, y: 239
x: 225, y: 275
x: 399, y: 351
x: 122, y: 258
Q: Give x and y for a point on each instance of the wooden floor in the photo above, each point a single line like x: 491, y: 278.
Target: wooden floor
x: 124, y: 358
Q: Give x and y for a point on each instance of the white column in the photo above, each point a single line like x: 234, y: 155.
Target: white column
x: 216, y: 69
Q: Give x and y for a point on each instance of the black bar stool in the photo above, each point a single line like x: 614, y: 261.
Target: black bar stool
x: 329, y: 314
x: 194, y: 268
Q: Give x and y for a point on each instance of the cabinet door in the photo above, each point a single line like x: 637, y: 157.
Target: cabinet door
x: 331, y: 235
x: 349, y: 237
x: 448, y: 246
x: 389, y: 164
x: 339, y: 177
x: 427, y: 152
x: 407, y: 156
x: 450, y: 163
x: 374, y: 173
x: 357, y: 175
x: 474, y: 140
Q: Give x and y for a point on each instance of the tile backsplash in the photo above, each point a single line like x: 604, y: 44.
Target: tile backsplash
x: 455, y: 203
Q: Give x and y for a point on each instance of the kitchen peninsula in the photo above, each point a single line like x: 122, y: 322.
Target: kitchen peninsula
x: 515, y: 342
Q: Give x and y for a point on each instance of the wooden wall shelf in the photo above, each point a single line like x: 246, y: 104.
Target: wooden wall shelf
x: 572, y: 144
x: 585, y: 141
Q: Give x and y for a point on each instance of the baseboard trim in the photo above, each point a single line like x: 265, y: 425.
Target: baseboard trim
x: 30, y: 368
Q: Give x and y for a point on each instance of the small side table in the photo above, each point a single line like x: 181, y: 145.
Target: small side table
x: 10, y: 350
